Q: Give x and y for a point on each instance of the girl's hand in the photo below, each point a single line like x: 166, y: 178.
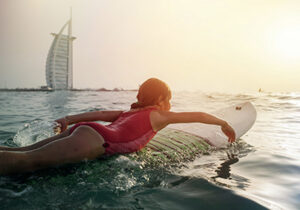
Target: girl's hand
x: 62, y: 125
x: 229, y: 132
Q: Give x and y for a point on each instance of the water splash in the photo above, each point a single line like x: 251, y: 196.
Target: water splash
x: 34, y: 131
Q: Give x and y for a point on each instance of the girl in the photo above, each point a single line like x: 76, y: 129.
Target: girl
x: 129, y: 131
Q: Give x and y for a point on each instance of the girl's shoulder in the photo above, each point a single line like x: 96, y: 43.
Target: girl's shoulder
x: 155, y: 108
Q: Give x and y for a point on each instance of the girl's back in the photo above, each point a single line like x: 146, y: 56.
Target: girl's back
x: 130, y: 132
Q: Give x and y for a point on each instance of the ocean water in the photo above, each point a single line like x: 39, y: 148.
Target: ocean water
x: 261, y: 171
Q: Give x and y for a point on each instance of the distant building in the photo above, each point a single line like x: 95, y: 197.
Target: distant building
x: 59, y: 65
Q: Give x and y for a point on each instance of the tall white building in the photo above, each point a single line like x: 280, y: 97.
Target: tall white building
x: 59, y: 65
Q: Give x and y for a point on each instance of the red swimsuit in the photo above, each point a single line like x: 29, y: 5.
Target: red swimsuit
x: 129, y: 133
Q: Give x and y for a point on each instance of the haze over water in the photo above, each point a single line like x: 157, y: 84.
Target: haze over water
x: 215, y: 45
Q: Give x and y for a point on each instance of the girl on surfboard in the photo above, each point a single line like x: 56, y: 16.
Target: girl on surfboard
x: 128, y: 132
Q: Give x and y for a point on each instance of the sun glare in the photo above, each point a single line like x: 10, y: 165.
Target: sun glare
x: 287, y: 41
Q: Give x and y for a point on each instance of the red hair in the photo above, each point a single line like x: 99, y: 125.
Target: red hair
x: 149, y: 93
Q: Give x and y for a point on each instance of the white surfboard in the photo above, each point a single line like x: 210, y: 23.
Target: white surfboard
x: 240, y: 116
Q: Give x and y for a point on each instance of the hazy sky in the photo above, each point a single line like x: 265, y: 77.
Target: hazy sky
x: 207, y: 45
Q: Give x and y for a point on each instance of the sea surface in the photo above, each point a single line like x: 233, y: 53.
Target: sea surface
x: 261, y: 171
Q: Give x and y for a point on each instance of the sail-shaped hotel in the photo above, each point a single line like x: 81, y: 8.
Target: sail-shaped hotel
x: 59, y: 65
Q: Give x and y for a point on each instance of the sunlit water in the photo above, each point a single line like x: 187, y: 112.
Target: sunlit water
x: 261, y: 171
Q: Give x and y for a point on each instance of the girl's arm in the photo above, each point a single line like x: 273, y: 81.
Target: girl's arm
x: 107, y: 116
x: 201, y: 117
x: 189, y: 117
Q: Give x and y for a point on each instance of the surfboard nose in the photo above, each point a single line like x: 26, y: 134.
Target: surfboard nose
x: 241, y: 119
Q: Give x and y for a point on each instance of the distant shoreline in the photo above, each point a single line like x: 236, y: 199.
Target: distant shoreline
x: 74, y: 89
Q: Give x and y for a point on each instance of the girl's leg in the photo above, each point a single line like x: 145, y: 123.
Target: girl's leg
x: 38, y: 144
x: 83, y: 143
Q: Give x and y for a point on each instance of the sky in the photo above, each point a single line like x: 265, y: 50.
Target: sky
x: 207, y: 45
